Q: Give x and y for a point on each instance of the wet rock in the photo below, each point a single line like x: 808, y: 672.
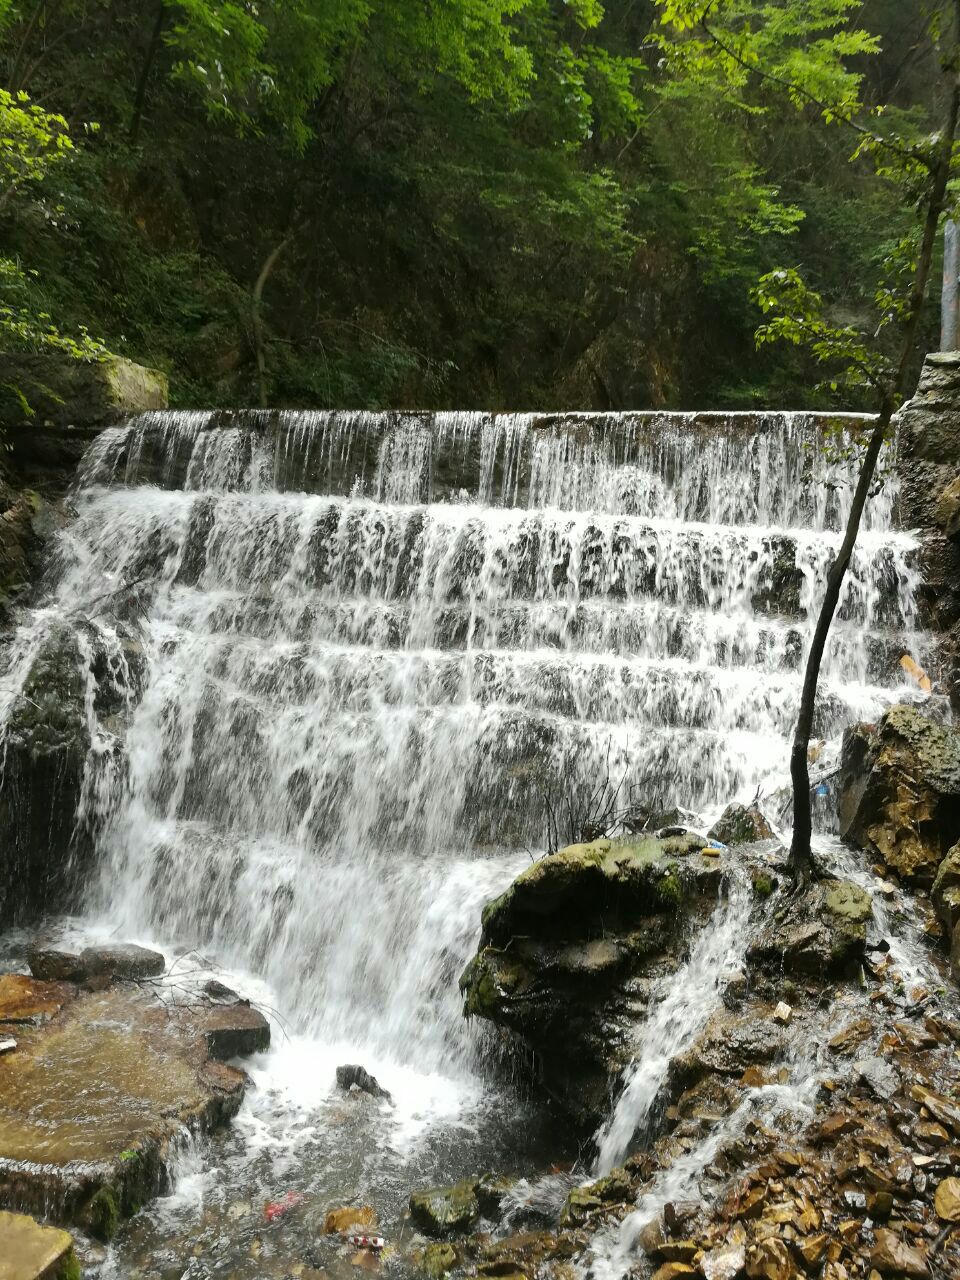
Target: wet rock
x: 350, y: 1218
x: 899, y: 792
x: 355, y: 1076
x: 941, y: 1108
x: 946, y: 1200
x: 673, y: 1271
x: 45, y: 750
x: 234, y: 1031
x: 769, y: 1260
x: 821, y: 932
x: 583, y: 1202
x: 892, y: 1256
x: 725, y: 1262
x: 728, y: 1044
x: 946, y: 901
x: 741, y: 824
x: 566, y: 953
x: 516, y: 1255
x: 219, y: 991
x: 881, y: 1077
x: 94, y: 1097
x: 491, y: 1193
x: 851, y: 1037
x: 438, y: 1259
x: 32, y: 1252
x: 26, y: 1001
x: 928, y: 462
x: 50, y: 965
x: 947, y: 513
x: 124, y: 960
x: 442, y: 1211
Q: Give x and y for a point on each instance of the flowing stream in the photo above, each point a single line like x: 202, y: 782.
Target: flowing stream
x: 350, y: 653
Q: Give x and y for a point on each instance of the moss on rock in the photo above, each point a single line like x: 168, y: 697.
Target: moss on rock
x: 441, y: 1211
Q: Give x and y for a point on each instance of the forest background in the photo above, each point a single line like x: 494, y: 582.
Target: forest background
x: 499, y: 204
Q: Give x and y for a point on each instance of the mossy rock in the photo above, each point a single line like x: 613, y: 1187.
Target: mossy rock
x: 442, y: 1211
x: 102, y: 1215
x: 569, y: 892
x: 741, y: 824
x: 438, y: 1259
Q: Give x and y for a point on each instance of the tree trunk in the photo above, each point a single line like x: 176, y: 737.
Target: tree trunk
x: 140, y: 97
x: 801, y: 864
x: 257, y: 321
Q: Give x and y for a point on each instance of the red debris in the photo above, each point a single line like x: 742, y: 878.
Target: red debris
x: 277, y: 1208
x: 367, y: 1242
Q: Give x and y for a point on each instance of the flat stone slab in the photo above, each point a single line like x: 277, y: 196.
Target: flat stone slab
x: 24, y: 1000
x: 29, y: 1251
x: 93, y: 1100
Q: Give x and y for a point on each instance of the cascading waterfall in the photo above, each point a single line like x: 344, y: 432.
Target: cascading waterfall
x: 690, y: 995
x: 348, y: 654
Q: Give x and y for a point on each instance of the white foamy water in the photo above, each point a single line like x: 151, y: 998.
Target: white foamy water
x: 688, y: 998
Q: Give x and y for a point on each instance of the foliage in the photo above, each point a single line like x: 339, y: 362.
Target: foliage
x: 491, y: 202
x: 34, y: 143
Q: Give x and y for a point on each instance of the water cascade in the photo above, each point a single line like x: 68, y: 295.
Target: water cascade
x: 348, y: 654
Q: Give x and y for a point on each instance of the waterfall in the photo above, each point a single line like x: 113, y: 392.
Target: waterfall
x: 688, y: 997
x: 348, y: 653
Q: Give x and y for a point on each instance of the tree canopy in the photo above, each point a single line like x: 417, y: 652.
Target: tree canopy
x: 503, y: 203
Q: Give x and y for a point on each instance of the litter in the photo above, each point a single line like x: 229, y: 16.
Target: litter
x: 821, y: 789
x: 375, y: 1243
x: 916, y: 672
x: 7, y: 1043
x: 277, y: 1208
x: 717, y: 844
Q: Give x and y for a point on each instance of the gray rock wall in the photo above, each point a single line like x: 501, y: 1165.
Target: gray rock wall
x: 929, y: 465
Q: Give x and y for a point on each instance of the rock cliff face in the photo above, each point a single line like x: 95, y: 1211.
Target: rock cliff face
x: 929, y: 467
x: 51, y: 724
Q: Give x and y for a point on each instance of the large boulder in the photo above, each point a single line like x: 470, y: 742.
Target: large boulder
x: 70, y: 402
x: 61, y: 737
x: 568, y: 954
x: 741, y: 824
x: 899, y: 791
x: 820, y: 932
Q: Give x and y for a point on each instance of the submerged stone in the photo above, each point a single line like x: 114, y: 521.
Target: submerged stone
x: 441, y: 1211
x: 349, y: 1218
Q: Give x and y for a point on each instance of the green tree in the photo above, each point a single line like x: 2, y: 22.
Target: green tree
x: 33, y: 144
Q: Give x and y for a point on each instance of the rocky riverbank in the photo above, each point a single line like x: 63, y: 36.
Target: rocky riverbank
x: 810, y: 1126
